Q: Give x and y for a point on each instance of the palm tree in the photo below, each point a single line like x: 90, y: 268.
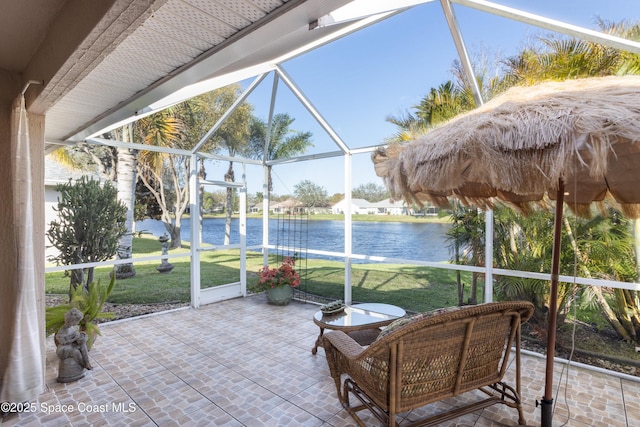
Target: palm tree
x: 466, y: 237
x: 283, y: 141
x: 234, y: 138
x: 441, y: 104
x: 524, y: 243
x: 183, y: 126
x: 606, y: 249
x: 164, y: 174
x: 560, y: 58
x: 199, y: 115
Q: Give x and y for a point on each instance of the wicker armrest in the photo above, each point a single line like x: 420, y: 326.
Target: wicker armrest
x: 365, y: 337
x: 344, y: 344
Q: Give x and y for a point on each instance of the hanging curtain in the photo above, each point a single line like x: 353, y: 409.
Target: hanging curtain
x: 23, y: 379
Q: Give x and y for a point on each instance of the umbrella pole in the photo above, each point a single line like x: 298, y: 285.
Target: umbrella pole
x: 547, y: 400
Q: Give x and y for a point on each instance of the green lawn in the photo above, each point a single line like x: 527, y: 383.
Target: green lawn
x: 412, y: 287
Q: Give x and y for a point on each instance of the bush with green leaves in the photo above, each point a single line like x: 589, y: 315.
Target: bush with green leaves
x: 90, y: 223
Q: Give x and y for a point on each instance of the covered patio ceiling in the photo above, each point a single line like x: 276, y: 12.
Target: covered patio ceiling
x: 125, y: 57
x: 107, y: 63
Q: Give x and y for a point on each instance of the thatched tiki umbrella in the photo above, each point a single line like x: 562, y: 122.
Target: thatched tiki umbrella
x: 576, y: 142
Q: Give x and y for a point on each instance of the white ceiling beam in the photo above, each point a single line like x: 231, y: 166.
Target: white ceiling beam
x: 222, y: 183
x: 230, y: 158
x: 360, y: 9
x: 326, y: 155
x: 314, y: 112
x: 552, y: 24
x: 454, y: 28
x: 229, y: 111
x: 136, y: 146
x: 369, y: 149
x: 284, y: 32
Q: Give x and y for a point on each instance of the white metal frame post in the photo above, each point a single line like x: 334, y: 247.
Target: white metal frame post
x: 347, y: 174
x: 194, y: 208
x: 348, y: 246
x: 265, y: 218
x: 243, y: 232
x: 473, y: 84
x: 266, y: 195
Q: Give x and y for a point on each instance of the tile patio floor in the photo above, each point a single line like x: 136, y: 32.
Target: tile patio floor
x: 244, y: 362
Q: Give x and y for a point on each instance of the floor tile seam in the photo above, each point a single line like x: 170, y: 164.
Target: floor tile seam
x: 183, y: 382
x: 266, y: 389
x: 256, y: 384
x: 624, y: 402
x: 161, y: 364
x: 209, y: 400
x: 157, y: 360
x: 124, y: 390
x: 565, y: 403
x: 304, y: 370
x: 237, y: 372
x: 174, y: 371
x: 332, y: 414
x: 564, y: 376
x: 130, y: 337
x: 513, y: 412
x: 143, y: 317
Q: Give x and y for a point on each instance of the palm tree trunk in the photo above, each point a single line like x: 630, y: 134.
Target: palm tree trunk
x: 458, y: 277
x: 629, y: 318
x: 473, y: 297
x: 126, y: 170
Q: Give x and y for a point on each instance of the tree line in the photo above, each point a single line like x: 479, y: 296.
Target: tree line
x: 603, y: 246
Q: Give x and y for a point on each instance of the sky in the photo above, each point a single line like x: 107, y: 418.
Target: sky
x: 358, y: 81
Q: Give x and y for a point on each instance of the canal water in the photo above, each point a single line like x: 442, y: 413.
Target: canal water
x: 405, y: 240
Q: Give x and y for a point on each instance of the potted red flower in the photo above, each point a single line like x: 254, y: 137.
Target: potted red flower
x: 278, y: 283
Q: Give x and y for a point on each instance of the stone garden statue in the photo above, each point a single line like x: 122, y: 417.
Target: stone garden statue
x: 165, y: 266
x: 72, y: 348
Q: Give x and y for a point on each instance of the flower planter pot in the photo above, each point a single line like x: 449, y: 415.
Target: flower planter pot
x: 280, y: 295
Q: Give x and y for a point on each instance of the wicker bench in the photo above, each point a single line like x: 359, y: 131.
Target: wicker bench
x: 429, y: 358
